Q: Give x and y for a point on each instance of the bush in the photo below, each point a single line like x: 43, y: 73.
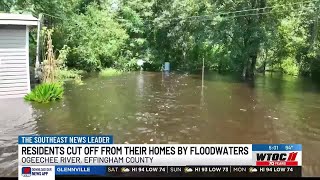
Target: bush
x: 109, y: 72
x: 95, y: 38
x: 70, y: 74
x: 290, y: 67
x: 66, y: 74
x: 45, y: 93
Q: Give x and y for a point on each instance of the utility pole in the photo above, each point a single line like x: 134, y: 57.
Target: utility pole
x: 202, y: 71
x: 38, y: 47
x: 202, y: 87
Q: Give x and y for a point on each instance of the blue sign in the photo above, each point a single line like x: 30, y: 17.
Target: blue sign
x: 65, y: 139
x: 81, y: 170
x: 276, y: 147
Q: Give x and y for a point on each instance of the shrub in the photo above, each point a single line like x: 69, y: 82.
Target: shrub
x: 95, y: 38
x: 109, y: 72
x: 70, y: 74
x: 290, y: 67
x: 45, y: 93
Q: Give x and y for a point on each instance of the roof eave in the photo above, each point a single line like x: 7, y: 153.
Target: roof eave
x: 18, y: 22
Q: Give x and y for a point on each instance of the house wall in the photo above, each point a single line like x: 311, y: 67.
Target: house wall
x: 14, y: 64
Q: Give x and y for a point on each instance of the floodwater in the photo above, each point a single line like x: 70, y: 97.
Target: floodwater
x: 174, y: 108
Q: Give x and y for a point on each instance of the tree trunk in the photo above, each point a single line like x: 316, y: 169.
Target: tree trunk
x: 265, y: 61
x: 244, y: 71
x: 264, y: 67
x: 253, y: 65
x: 252, y: 43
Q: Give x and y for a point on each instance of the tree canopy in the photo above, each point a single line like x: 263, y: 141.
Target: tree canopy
x: 243, y: 36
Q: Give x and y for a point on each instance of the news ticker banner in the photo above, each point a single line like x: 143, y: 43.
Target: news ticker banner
x: 54, y: 155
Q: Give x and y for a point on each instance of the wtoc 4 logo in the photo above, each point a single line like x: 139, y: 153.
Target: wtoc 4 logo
x: 277, y: 159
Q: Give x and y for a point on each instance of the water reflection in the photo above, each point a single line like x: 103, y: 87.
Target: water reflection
x: 140, y: 83
x: 160, y: 107
x: 16, y: 117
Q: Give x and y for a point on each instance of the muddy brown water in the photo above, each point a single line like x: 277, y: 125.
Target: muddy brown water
x: 152, y: 107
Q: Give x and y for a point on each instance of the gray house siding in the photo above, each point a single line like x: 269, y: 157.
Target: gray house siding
x: 14, y: 61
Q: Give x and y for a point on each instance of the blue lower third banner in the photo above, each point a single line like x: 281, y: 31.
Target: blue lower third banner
x: 81, y: 170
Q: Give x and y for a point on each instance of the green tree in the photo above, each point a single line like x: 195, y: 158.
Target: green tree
x: 243, y: 36
x: 96, y: 39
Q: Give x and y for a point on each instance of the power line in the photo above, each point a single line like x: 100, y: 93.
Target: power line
x: 67, y: 18
x: 232, y: 12
x: 54, y: 16
x: 213, y: 15
x: 270, y: 7
x: 242, y: 15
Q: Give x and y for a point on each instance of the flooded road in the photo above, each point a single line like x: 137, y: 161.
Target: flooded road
x: 174, y: 108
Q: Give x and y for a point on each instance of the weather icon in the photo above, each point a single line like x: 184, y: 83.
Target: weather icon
x: 125, y: 170
x: 187, y: 170
x: 252, y: 170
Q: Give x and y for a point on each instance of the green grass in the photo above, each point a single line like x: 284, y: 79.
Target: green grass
x: 65, y: 74
x: 110, y: 72
x: 45, y: 93
x: 70, y: 74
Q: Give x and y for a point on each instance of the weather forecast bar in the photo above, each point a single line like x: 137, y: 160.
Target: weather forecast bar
x: 182, y: 171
